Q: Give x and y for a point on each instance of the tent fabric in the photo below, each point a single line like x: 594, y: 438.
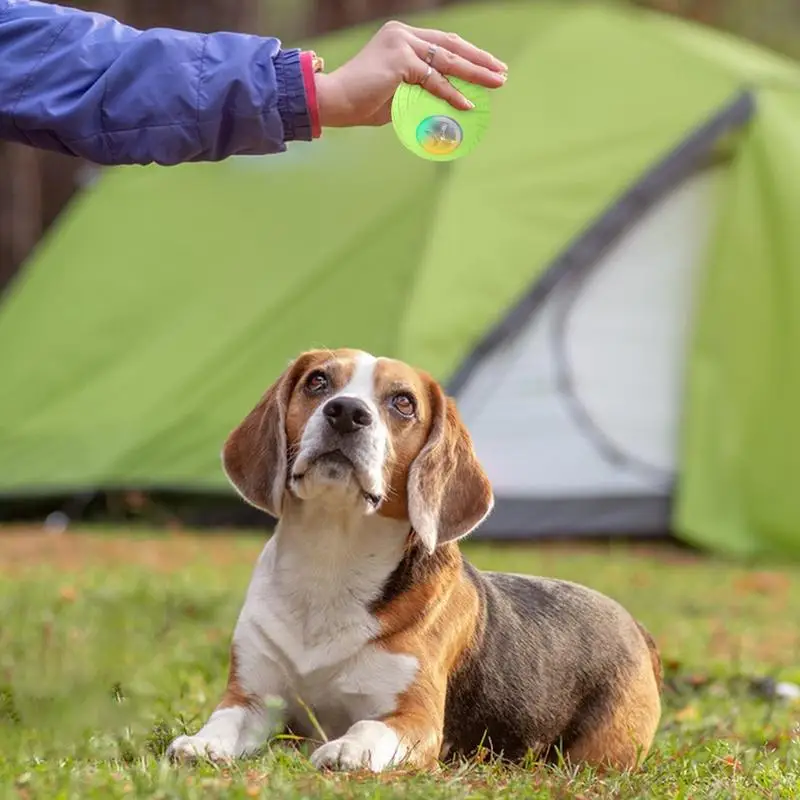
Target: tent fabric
x: 165, y: 300
x: 741, y: 443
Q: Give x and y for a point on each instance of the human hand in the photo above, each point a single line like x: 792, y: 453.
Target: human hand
x: 360, y: 92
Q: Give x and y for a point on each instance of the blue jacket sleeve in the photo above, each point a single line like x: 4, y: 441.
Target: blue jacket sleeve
x: 84, y: 84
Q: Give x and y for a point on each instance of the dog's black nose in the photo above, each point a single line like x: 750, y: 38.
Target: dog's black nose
x: 347, y: 414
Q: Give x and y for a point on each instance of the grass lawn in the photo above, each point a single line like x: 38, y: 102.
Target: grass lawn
x: 111, y: 643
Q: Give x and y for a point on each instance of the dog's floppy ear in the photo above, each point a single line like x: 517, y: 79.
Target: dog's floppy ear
x: 449, y: 494
x: 255, y: 454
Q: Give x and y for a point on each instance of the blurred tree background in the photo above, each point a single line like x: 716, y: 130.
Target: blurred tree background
x: 36, y: 186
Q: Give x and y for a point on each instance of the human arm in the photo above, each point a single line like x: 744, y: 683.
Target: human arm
x: 84, y: 84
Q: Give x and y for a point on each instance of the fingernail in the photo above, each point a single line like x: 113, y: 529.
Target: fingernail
x: 470, y: 104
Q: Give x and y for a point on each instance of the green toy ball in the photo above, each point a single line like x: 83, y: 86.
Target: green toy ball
x: 433, y: 129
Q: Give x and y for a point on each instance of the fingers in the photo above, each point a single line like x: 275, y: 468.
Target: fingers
x: 452, y: 43
x: 452, y: 56
x: 438, y: 85
x: 447, y: 62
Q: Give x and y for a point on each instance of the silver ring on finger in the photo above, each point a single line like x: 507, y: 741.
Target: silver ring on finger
x: 428, y: 73
x: 431, y: 53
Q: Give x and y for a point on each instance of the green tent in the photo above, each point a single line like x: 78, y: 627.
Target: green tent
x: 609, y: 285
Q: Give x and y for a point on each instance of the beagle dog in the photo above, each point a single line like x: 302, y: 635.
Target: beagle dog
x: 365, y: 628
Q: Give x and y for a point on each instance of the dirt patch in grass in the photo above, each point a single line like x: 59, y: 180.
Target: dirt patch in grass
x: 23, y: 547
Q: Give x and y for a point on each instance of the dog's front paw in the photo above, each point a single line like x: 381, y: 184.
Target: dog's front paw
x: 369, y: 744
x: 190, y: 748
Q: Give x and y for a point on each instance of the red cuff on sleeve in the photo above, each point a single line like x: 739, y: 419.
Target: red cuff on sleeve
x: 310, y: 84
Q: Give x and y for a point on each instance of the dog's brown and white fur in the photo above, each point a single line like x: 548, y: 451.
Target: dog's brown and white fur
x: 362, y: 609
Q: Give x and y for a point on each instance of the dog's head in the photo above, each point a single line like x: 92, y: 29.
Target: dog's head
x: 363, y: 432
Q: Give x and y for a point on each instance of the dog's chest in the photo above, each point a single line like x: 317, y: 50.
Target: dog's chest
x: 313, y: 621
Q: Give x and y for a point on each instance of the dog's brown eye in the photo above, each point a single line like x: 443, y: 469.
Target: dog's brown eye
x: 404, y: 404
x: 317, y: 382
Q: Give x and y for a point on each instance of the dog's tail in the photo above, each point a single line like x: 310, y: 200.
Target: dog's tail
x: 655, y: 656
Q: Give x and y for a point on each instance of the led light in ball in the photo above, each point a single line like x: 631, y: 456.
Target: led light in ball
x: 439, y: 134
